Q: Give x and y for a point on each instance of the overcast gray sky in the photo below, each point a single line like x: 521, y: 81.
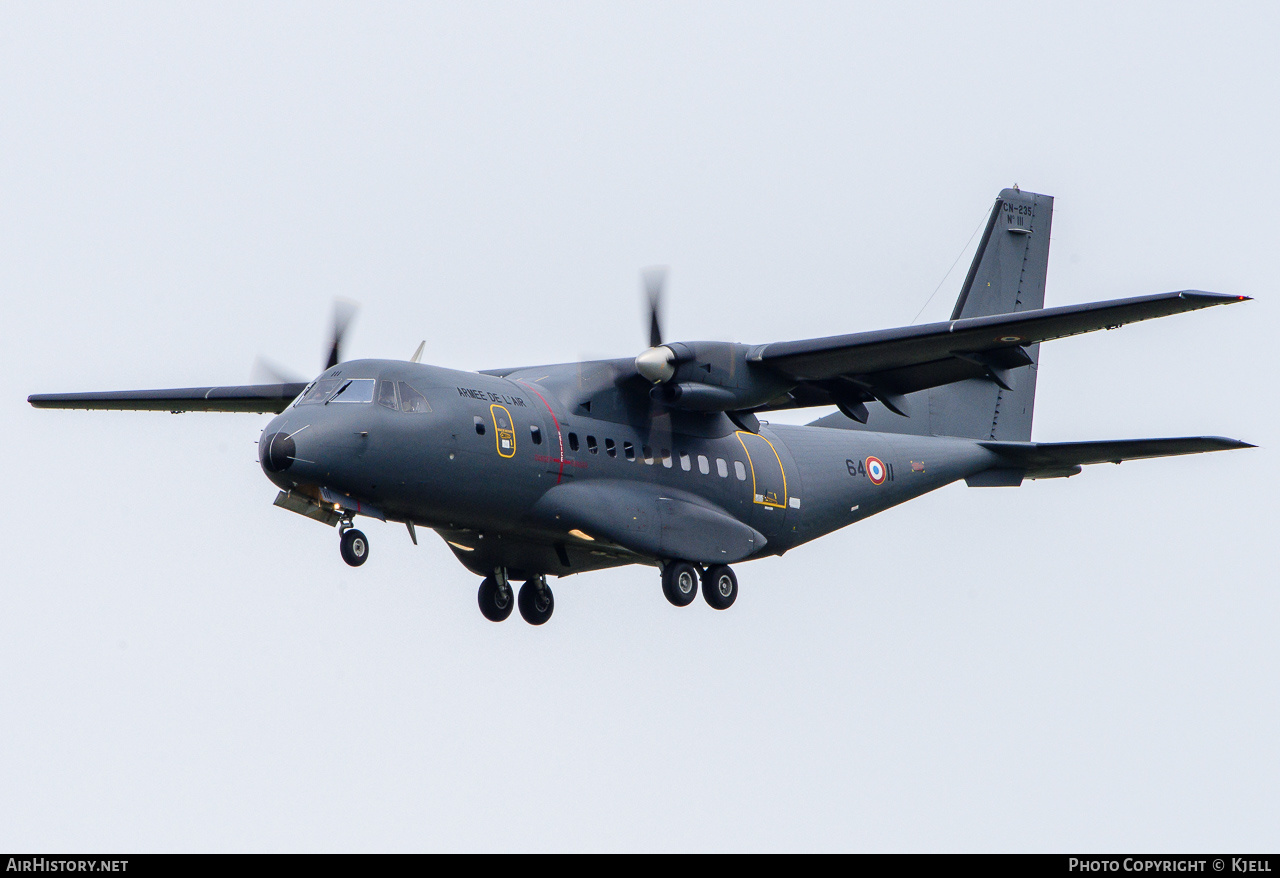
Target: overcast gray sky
x: 1084, y: 664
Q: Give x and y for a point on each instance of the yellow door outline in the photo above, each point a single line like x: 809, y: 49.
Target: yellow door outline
x: 756, y: 496
x: 504, y: 437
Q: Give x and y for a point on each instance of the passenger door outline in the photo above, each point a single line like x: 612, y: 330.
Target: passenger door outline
x: 762, y: 492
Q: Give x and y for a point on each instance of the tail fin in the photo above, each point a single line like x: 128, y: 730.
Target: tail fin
x: 1007, y: 275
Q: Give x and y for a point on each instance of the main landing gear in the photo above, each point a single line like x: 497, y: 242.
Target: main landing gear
x: 354, y: 544
x: 496, y: 599
x: 535, y: 600
x: 680, y: 584
x: 719, y: 586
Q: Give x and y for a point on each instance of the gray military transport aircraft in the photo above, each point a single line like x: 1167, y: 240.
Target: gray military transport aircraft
x: 661, y: 459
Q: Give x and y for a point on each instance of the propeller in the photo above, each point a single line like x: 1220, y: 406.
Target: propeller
x: 265, y: 371
x: 344, y: 311
x: 655, y: 280
x: 657, y: 364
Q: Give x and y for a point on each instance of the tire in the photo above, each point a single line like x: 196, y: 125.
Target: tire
x: 680, y: 583
x: 355, y: 547
x: 493, y: 605
x: 536, y: 605
x: 720, y: 586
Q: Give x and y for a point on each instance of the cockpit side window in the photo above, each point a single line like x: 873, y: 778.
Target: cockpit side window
x: 303, y: 395
x: 387, y: 395
x: 411, y: 400
x: 354, y: 390
x: 320, y: 391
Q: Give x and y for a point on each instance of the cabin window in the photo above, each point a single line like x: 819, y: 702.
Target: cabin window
x: 722, y: 468
x: 685, y: 463
x: 479, y: 426
x: 703, y: 466
x: 591, y: 445
x: 628, y: 451
x: 648, y: 455
x: 411, y: 400
x: 740, y: 471
x: 666, y: 457
x: 387, y: 395
x: 610, y: 449
x: 535, y: 433
x: 573, y: 441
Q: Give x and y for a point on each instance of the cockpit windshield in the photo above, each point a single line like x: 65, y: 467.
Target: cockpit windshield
x: 354, y: 390
x: 328, y: 390
x: 319, y: 391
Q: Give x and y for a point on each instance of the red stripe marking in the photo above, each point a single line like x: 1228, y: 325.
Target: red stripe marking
x: 554, y: 420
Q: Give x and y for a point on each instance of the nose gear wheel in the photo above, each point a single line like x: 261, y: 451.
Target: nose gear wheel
x: 355, y: 547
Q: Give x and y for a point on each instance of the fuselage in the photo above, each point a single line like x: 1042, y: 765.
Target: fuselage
x: 471, y: 454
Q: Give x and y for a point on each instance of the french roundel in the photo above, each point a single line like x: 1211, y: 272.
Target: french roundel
x: 876, y: 471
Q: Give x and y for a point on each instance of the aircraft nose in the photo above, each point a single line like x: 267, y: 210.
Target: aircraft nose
x: 277, y: 451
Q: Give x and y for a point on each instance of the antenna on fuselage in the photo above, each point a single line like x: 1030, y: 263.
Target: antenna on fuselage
x: 417, y: 355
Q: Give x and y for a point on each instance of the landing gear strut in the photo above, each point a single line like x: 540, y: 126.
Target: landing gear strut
x: 680, y: 582
x: 720, y: 586
x: 496, y: 599
x: 354, y: 544
x: 536, y: 601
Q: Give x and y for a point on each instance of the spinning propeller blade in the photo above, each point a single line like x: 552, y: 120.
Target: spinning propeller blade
x: 344, y: 311
x: 655, y: 280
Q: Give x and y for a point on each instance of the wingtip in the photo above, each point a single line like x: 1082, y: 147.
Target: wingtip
x: 1218, y: 298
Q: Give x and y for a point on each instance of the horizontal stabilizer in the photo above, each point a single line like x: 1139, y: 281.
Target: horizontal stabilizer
x: 1038, y: 460
x: 262, y: 398
x: 649, y: 520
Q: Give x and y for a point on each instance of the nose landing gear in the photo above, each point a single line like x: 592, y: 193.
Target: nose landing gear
x: 354, y: 544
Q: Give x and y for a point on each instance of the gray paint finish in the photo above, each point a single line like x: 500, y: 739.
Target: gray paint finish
x: 562, y: 469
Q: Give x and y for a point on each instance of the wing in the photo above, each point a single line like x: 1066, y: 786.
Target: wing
x: 272, y: 398
x: 887, y: 364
